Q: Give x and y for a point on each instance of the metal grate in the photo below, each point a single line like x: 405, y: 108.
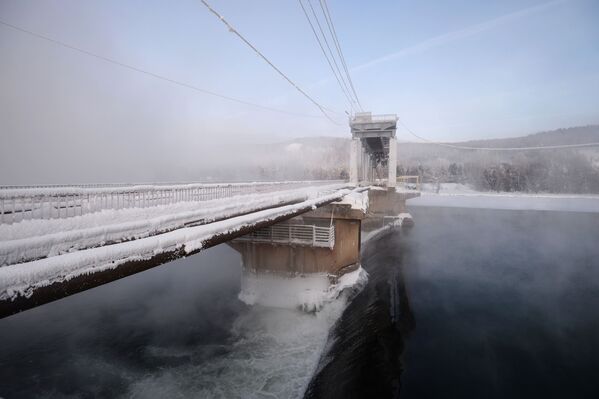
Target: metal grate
x: 299, y: 234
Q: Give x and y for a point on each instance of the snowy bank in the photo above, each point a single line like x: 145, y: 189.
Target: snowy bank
x: 509, y: 201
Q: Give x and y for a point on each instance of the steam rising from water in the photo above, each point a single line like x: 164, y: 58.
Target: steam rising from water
x: 270, y: 353
x: 174, y: 331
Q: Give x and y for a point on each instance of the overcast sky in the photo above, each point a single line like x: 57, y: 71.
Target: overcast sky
x: 452, y: 70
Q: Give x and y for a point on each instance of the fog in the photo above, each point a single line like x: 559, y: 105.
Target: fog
x: 511, y: 294
x: 489, y: 303
x: 481, y: 293
x: 123, y: 330
x: 68, y: 117
x: 177, y: 330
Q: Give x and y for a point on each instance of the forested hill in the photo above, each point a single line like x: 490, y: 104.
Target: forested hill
x: 572, y: 135
x: 421, y: 153
x: 556, y: 170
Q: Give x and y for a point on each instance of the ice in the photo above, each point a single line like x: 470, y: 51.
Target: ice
x: 308, y: 292
x: 38, y: 238
x: 357, y: 200
x: 24, y: 278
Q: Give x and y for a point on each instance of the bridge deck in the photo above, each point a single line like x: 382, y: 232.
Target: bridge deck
x: 135, y: 245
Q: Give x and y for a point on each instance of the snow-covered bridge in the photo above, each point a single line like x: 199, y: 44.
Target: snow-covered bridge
x: 58, y: 240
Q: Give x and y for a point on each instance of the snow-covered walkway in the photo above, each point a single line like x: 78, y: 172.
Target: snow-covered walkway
x: 39, y: 238
x: 139, y: 234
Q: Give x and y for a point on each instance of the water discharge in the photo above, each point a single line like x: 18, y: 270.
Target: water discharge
x: 175, y: 331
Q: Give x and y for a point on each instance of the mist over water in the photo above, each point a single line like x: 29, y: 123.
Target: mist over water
x: 97, y: 342
x: 468, y: 303
x: 473, y: 303
x: 174, y: 331
x: 505, y: 304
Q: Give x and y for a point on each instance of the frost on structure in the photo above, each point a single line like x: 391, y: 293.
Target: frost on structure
x: 23, y: 279
x: 357, y: 200
x: 38, y: 238
x: 309, y: 292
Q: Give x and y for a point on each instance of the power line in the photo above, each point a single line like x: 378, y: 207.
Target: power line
x: 324, y: 36
x: 331, y: 26
x: 344, y: 90
x: 462, y: 147
x: 152, y: 74
x: 343, y: 79
x: 337, y: 76
x: 234, y: 31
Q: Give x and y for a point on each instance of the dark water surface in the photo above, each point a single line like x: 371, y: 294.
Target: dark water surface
x: 473, y: 303
x: 99, y: 342
x: 468, y: 303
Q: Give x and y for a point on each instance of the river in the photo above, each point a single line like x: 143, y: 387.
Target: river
x: 467, y: 303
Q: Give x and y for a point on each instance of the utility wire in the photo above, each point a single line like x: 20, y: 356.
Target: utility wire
x: 324, y: 36
x: 345, y: 93
x: 338, y: 46
x: 292, y: 83
x: 462, y: 147
x: 152, y: 74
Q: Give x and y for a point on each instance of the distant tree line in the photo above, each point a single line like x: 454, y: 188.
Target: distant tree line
x: 555, y: 172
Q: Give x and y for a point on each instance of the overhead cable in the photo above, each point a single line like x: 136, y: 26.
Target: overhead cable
x: 152, y: 74
x: 338, y: 46
x: 247, y: 42
x: 344, y: 90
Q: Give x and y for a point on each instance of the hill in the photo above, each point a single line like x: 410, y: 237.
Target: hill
x: 564, y: 170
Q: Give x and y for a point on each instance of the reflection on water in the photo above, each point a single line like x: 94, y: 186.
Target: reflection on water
x: 363, y: 359
x: 491, y: 304
x: 506, y: 304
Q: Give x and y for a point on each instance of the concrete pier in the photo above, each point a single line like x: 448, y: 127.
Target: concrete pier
x: 296, y: 258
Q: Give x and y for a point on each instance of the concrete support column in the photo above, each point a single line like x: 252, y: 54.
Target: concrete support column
x: 372, y: 166
x: 371, y: 173
x: 364, y: 164
x: 354, y: 153
x: 392, y: 179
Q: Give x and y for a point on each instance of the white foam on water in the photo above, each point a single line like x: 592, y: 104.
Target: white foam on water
x: 308, y: 292
x: 272, y: 353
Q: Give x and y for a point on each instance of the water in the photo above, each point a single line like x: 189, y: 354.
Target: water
x: 473, y: 303
x: 468, y: 303
x: 174, y: 331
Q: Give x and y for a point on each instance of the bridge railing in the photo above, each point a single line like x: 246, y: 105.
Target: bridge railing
x: 409, y: 182
x: 368, y: 117
x: 55, y: 202
x: 300, y: 234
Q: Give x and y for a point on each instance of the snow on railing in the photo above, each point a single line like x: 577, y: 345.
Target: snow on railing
x: 384, y: 118
x: 367, y: 117
x: 409, y: 182
x: 299, y: 234
x: 55, y: 202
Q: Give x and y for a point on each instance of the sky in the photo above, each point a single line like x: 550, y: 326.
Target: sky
x: 451, y: 70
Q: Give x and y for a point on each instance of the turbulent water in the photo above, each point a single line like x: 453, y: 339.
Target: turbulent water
x: 174, y: 331
x: 468, y: 303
